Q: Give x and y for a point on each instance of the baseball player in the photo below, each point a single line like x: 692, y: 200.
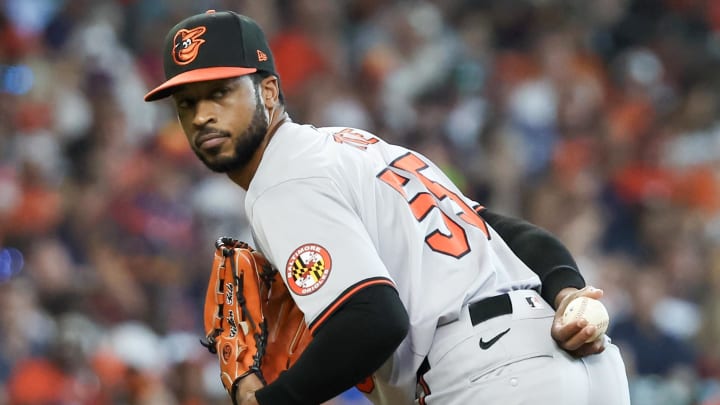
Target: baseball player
x: 414, y: 293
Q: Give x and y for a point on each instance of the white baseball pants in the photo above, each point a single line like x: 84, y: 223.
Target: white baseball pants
x: 518, y: 363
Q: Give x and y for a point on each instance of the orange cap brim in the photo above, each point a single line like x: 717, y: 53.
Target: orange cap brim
x: 197, y: 75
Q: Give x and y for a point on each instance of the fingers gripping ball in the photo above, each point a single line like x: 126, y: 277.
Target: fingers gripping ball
x: 591, y: 310
x: 251, y: 322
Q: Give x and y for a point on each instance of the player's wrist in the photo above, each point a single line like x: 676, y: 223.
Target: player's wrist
x: 243, y: 392
x: 247, y: 398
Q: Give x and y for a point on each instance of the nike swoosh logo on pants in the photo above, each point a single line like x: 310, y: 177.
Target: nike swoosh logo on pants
x: 486, y: 345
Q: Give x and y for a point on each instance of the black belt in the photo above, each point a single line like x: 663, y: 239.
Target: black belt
x: 489, y: 308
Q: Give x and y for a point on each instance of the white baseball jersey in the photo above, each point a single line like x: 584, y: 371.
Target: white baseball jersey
x: 338, y: 209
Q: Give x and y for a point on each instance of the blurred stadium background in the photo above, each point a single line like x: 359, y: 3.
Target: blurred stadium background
x: 598, y: 120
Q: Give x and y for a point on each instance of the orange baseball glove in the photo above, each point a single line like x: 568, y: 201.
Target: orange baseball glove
x: 251, y: 321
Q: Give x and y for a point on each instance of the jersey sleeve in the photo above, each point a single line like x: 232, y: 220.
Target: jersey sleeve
x: 312, y: 234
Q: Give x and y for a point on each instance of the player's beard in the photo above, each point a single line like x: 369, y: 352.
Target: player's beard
x: 245, y: 145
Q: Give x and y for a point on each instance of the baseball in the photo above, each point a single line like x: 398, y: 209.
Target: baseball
x: 590, y: 309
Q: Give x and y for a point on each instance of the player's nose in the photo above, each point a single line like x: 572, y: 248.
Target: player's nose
x: 204, y: 114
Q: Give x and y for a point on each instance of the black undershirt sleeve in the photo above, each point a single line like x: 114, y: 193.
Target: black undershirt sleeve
x: 541, y: 251
x: 348, y: 347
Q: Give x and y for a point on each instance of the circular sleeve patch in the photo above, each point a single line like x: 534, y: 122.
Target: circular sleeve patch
x: 308, y: 268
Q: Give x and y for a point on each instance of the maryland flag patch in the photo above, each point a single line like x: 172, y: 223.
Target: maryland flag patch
x: 308, y: 268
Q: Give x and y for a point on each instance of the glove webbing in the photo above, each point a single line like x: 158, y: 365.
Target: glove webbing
x: 209, y: 341
x: 260, y: 338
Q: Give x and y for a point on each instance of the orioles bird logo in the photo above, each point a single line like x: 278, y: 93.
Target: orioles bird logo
x: 187, y: 44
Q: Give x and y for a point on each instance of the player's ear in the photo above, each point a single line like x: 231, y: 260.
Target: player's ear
x: 270, y: 91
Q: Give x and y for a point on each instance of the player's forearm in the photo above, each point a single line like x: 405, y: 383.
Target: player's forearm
x: 560, y: 278
x: 541, y: 251
x: 349, y: 346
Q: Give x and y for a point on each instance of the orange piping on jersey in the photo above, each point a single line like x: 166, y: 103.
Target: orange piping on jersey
x: 329, y: 311
x: 425, y: 388
x: 366, y: 386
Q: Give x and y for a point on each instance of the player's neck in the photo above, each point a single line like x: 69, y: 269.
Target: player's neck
x: 242, y: 177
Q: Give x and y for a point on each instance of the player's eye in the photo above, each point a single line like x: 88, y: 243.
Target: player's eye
x: 183, y: 103
x: 220, y: 92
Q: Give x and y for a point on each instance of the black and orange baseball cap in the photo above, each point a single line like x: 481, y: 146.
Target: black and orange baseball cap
x: 212, y: 45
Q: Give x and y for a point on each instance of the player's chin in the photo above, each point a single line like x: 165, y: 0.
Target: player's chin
x: 219, y: 162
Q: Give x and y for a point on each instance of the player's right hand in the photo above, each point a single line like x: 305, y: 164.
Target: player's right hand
x: 572, y: 336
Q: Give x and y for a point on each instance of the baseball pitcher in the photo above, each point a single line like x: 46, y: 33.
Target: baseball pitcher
x: 409, y: 289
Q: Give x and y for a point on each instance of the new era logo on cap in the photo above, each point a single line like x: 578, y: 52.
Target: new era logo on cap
x: 212, y: 46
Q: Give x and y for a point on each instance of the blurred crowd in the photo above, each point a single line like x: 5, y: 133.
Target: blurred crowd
x: 598, y: 120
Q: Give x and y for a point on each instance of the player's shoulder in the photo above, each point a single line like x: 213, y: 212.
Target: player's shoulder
x: 296, y: 152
